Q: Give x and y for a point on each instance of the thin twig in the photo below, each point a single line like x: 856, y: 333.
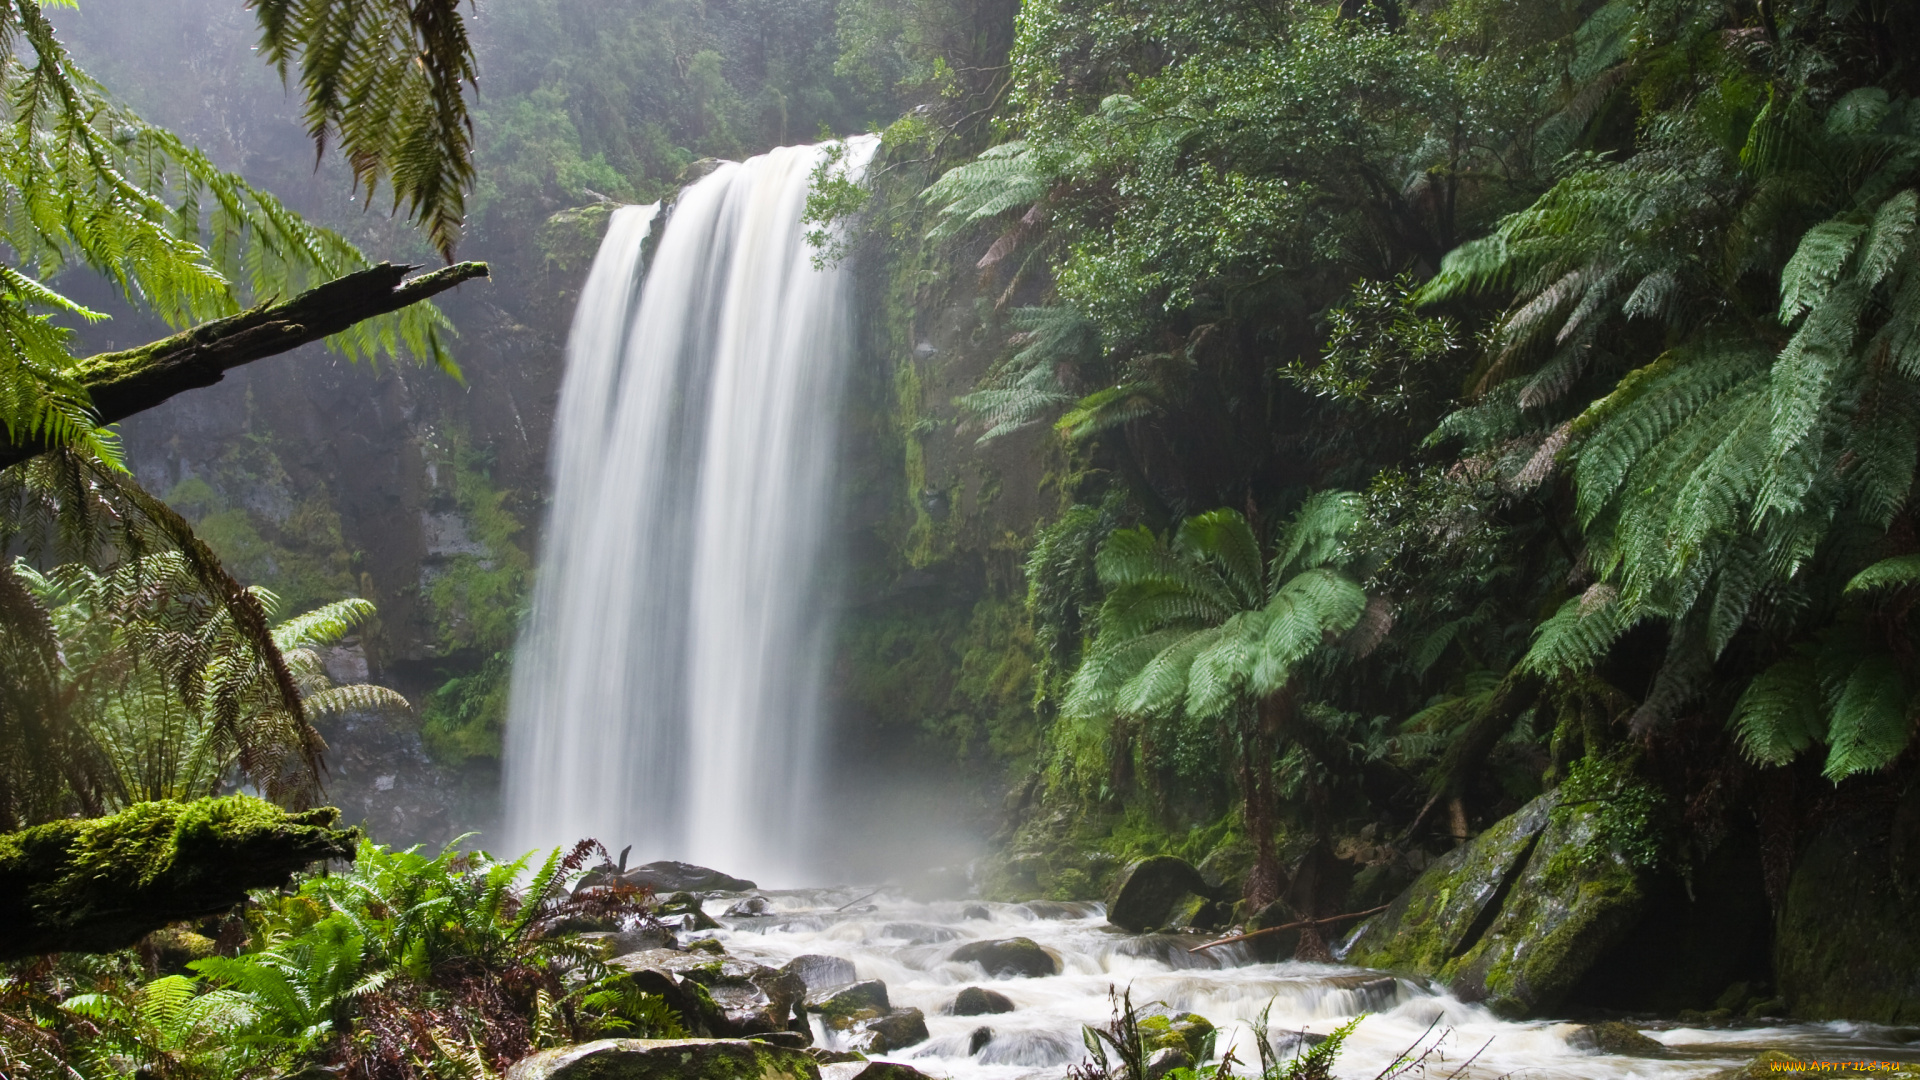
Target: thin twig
x: 1328, y: 921
x: 869, y: 896
x: 1476, y: 1054
x: 1402, y: 1062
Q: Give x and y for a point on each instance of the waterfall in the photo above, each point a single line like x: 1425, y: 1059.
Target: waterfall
x: 666, y: 689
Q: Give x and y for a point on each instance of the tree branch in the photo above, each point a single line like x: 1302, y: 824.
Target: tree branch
x: 123, y: 383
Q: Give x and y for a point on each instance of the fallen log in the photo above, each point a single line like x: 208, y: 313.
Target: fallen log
x: 1303, y: 924
x: 120, y: 384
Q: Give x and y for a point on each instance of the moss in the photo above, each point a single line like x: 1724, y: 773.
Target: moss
x: 1190, y: 1033
x: 102, y: 884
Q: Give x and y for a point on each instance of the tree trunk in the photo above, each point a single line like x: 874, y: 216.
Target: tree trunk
x: 120, y: 384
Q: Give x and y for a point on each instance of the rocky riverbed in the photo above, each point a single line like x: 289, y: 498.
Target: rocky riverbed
x: 989, y: 991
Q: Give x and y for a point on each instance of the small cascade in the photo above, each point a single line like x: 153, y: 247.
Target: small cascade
x: 666, y: 690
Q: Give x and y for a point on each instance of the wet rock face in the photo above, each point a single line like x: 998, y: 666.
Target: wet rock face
x: 821, y: 973
x: 1517, y: 917
x: 1149, y: 894
x: 1848, y: 945
x: 980, y: 1001
x: 667, y: 1059
x: 1008, y: 957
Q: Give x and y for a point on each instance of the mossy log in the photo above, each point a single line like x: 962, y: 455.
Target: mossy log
x: 120, y: 384
x: 101, y: 884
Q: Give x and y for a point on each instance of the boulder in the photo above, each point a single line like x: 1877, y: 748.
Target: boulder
x: 821, y: 973
x: 980, y: 1001
x: 1848, y: 945
x: 1165, y: 1060
x: 667, y: 1059
x: 834, y: 1057
x: 1009, y: 957
x: 1614, y: 1037
x: 724, y: 996
x: 897, y: 1030
x: 666, y: 877
x: 749, y: 907
x: 1189, y: 1033
x: 850, y: 1005
x: 1146, y: 893
x: 975, y: 911
x: 978, y: 1038
x: 1517, y: 917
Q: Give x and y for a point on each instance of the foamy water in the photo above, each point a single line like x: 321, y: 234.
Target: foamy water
x: 906, y: 945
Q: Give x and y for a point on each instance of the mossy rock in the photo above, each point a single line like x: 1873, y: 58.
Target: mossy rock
x: 102, y: 884
x: 897, y: 1030
x: 668, y: 1059
x: 850, y: 1005
x: 1847, y: 944
x: 1614, y: 1037
x: 1428, y: 925
x: 1517, y: 917
x: 1189, y: 1033
x: 980, y: 1001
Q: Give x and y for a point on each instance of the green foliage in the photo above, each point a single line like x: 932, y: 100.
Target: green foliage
x: 1631, y: 819
x: 385, y: 81
x: 404, y: 966
x: 1379, y: 349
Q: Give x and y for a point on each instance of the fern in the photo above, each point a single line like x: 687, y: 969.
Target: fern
x: 1002, y: 178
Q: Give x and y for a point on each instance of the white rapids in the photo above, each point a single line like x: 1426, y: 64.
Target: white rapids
x: 905, y: 945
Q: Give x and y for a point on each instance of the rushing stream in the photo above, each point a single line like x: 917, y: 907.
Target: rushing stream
x: 905, y: 945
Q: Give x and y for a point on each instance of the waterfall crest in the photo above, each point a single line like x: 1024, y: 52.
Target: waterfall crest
x: 666, y: 689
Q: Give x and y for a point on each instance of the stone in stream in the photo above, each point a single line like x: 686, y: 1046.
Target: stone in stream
x: 978, y: 1039
x: 723, y: 996
x: 1147, y: 893
x: 1189, y: 1033
x: 850, y: 1005
x: 1008, y: 957
x: 1515, y: 918
x: 897, y: 1030
x: 821, y: 973
x: 980, y: 1001
x: 667, y: 1059
x: 1165, y: 1060
x: 682, y: 911
x: 1614, y: 1037
x: 667, y: 877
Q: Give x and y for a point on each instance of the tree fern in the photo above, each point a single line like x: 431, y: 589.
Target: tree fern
x: 1002, y: 178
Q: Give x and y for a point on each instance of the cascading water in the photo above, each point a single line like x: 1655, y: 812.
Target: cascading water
x: 666, y: 689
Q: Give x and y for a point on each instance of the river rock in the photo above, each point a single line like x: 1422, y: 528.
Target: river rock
x: 850, y: 1005
x: 724, y: 996
x: 672, y: 877
x: 821, y: 973
x: 1189, y: 1033
x: 978, y: 1038
x: 1848, y: 945
x: 1147, y: 892
x: 1614, y: 1037
x: 1008, y: 957
x: 667, y: 1059
x: 682, y: 911
x: 980, y: 1001
x: 1516, y: 917
x: 1165, y: 1060
x: 897, y: 1030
